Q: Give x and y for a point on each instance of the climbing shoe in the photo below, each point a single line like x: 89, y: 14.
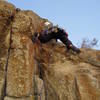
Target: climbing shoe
x: 75, y: 49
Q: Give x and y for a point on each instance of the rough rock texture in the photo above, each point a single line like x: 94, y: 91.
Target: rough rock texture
x: 35, y: 71
x: 69, y: 76
x: 20, y: 68
x: 6, y: 11
x: 17, y: 50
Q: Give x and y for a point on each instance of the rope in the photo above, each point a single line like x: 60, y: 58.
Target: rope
x: 35, y: 82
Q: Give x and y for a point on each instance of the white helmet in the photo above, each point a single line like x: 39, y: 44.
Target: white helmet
x: 47, y: 24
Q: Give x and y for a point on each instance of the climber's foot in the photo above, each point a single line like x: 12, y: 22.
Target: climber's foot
x: 75, y: 49
x: 18, y: 9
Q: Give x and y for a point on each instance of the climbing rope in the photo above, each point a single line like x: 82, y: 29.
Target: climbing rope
x: 35, y: 81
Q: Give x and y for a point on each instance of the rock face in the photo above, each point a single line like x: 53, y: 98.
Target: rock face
x: 6, y: 11
x: 68, y: 76
x: 35, y: 71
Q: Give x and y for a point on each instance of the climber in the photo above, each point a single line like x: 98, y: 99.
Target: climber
x: 54, y: 32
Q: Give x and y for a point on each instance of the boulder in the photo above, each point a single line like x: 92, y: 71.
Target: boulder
x: 35, y: 71
x: 69, y: 76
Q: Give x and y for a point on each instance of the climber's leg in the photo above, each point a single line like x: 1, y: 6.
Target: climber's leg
x: 68, y: 43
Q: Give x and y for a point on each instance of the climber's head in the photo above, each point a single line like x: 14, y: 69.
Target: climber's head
x: 47, y: 25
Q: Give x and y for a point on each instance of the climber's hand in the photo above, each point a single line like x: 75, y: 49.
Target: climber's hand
x: 34, y: 37
x: 36, y: 34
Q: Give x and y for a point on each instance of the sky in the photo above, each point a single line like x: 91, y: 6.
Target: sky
x: 80, y: 18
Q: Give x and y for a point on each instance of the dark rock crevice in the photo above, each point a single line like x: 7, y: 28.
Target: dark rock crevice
x: 38, y: 74
x: 35, y: 87
x: 8, y: 25
x: 49, y: 91
x: 41, y: 76
x: 7, y: 61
